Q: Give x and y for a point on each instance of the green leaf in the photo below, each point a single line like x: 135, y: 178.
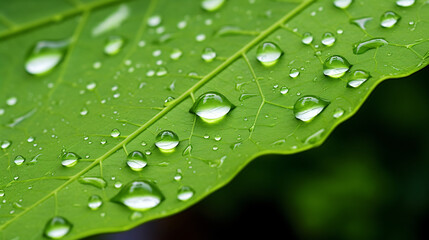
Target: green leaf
x: 104, y: 106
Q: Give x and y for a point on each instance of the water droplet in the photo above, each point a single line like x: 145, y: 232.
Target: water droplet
x: 83, y: 111
x: 167, y: 141
x: 1, y: 193
x: 294, y: 73
x: 211, y: 107
x: 115, y: 133
x: 212, y: 5
x: 361, y: 22
x: 245, y: 96
x: 200, y: 37
x: 389, y: 19
x: 307, y: 38
x: 405, y: 3
x: 57, y: 227
x: 11, y: 101
x: 315, y: 137
x: 168, y: 101
x: 113, y: 45
x: 98, y: 182
x: 208, y: 55
x: 136, y: 161
x: 335, y: 66
x: 162, y: 71
x: 328, y: 39
x: 5, y: 144
x: 185, y: 193
x: 69, y: 159
x: 117, y: 185
x: 357, y: 78
x: 19, y: 160
x: 343, y: 4
x: 339, y: 112
x: 268, y: 53
x: 154, y: 21
x: 176, y: 54
x: 45, y: 56
x: 308, y: 107
x: 139, y: 195
x: 95, y: 202
x: 284, y: 90
x: 112, y: 21
x: 178, y: 176
x: 364, y: 46
x: 187, y: 150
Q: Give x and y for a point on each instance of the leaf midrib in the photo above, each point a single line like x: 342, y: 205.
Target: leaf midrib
x: 173, y: 104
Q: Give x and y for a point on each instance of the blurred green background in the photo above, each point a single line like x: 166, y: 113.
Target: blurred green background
x: 369, y: 180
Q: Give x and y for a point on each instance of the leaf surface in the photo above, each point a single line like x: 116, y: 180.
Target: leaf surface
x: 75, y: 107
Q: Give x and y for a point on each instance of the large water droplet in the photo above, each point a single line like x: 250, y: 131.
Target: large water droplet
x: 69, y: 159
x: 136, y: 161
x: 211, y: 107
x: 212, y: 5
x: 167, y: 141
x: 358, y: 77
x: 335, y: 66
x: 328, y: 39
x: 308, y: 107
x: 185, y: 193
x: 115, y: 133
x: 294, y: 73
x: 19, y: 160
x: 389, y: 19
x: 57, y: 227
x: 98, y: 182
x: 114, y: 45
x: 208, y: 55
x: 268, y: 53
x: 405, y: 3
x: 364, y: 46
x: 45, y: 56
x: 307, y: 38
x: 343, y: 4
x: 95, y: 202
x: 139, y: 195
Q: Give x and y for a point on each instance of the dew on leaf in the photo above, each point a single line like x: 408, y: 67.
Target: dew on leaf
x: 364, y: 46
x: 5, y: 144
x: 178, y: 176
x: 168, y: 101
x: 268, y: 53
x: 339, y: 112
x: 315, y: 137
x: 162, y: 71
x: 91, y: 86
x: 294, y: 73
x: 57, y: 227
x: 357, y: 78
x: 117, y: 185
x: 136, y: 160
x: 405, y: 3
x: 95, y: 202
x: 208, y: 54
x: 98, y: 182
x: 11, y: 101
x: 187, y: 150
x: 139, y: 195
x: 1, y: 193
x: 211, y: 107
x: 115, y: 133
x: 69, y: 159
x: 19, y: 160
x: 284, y: 90
x: 307, y: 38
x: 212, y: 5
x: 328, y: 39
x: 389, y: 19
x: 245, y: 96
x: 114, y: 45
x: 112, y: 21
x: 154, y: 21
x: 343, y: 4
x: 308, y: 107
x: 185, y: 193
x: 336, y: 66
x: 176, y: 54
x: 200, y: 37
x: 167, y: 141
x: 45, y: 56
x: 83, y: 111
x: 361, y: 22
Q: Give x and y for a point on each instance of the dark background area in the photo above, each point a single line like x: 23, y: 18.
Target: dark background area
x: 369, y: 180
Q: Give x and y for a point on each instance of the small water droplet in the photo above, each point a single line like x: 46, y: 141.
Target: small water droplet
x: 405, y: 3
x: 335, y: 66
x: 176, y: 54
x: 136, y: 160
x: 115, y: 133
x: 185, y: 193
x: 364, y: 46
x: 117, y: 185
x: 139, y: 195
x: 389, y: 19
x: 268, y: 53
x: 69, y: 159
x: 114, y: 45
x: 57, y: 227
x: 328, y: 39
x: 178, y: 176
x: 187, y: 150
x: 83, y: 111
x: 211, y: 107
x: 361, y: 22
x: 200, y: 37
x: 339, y: 112
x: 208, y: 55
x: 19, y: 160
x: 154, y: 21
x: 308, y: 107
x: 95, y: 202
x: 307, y: 38
x: 284, y: 90
x: 343, y: 4
x: 45, y: 56
x: 5, y: 144
x: 212, y: 5
x: 11, y: 101
x: 98, y: 182
x: 167, y: 141
x: 357, y: 78
x: 294, y: 73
